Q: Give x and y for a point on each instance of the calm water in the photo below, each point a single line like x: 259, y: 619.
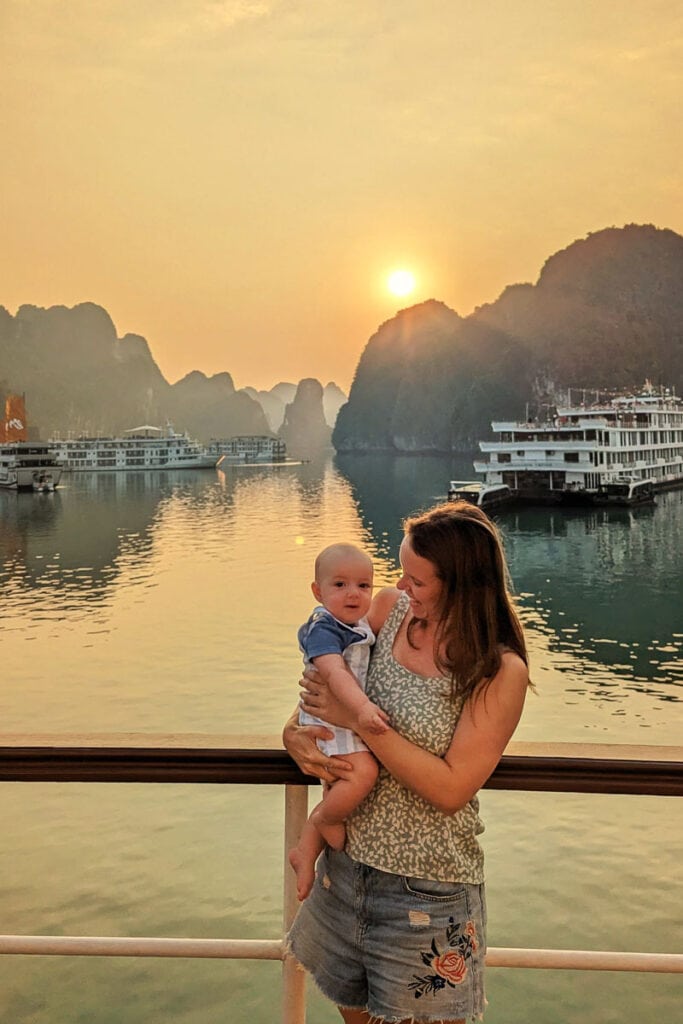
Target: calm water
x: 169, y: 603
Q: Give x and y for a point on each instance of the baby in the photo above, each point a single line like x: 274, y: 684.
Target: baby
x: 336, y: 641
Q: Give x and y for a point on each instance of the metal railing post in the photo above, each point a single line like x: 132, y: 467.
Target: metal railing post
x: 293, y: 978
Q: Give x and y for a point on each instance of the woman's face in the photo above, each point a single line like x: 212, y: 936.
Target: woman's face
x: 420, y: 582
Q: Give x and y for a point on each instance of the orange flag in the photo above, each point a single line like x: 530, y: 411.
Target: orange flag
x: 13, y: 427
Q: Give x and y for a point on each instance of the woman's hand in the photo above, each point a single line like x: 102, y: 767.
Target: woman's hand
x: 300, y: 743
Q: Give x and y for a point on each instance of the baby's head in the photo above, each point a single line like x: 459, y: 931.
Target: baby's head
x: 343, y: 582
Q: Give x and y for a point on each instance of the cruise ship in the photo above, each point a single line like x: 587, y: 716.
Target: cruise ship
x: 28, y: 466
x: 139, y: 448
x: 24, y: 465
x: 611, y: 449
x: 248, y: 448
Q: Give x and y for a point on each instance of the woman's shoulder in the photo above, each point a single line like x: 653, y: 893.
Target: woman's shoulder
x: 382, y: 605
x: 513, y: 668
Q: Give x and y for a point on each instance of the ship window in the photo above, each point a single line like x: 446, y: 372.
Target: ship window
x: 504, y: 457
x: 571, y: 456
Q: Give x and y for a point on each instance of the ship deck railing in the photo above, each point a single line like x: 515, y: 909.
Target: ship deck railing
x: 200, y: 759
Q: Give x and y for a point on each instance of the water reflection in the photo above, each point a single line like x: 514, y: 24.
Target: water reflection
x: 72, y: 540
x: 304, y: 482
x: 24, y: 517
x: 602, y: 588
x: 388, y: 488
x: 76, y: 540
x: 605, y: 585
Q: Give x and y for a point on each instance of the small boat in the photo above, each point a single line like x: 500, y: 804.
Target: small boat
x: 628, y: 491
x: 485, y: 496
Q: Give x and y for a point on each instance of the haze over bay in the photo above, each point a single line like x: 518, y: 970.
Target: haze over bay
x: 235, y: 180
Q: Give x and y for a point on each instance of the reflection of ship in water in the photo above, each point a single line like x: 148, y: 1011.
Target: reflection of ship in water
x: 389, y: 488
x: 73, y: 539
x: 308, y: 478
x: 24, y: 517
x: 79, y: 540
x: 605, y: 584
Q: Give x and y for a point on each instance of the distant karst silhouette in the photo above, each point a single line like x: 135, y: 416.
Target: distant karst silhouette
x: 79, y: 377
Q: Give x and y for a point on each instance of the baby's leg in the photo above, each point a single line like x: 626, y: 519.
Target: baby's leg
x: 331, y: 829
x: 303, y: 857
x: 343, y: 797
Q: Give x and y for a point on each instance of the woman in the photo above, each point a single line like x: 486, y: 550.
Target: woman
x: 394, y: 928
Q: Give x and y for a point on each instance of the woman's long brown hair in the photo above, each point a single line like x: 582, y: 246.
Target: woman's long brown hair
x: 478, y: 617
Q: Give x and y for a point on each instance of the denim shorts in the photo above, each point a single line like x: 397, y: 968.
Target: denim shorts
x: 401, y: 948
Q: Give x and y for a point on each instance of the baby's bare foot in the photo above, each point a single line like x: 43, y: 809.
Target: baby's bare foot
x: 304, y: 871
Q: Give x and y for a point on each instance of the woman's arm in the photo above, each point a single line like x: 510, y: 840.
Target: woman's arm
x: 481, y: 735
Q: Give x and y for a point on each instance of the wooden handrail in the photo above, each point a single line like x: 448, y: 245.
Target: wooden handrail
x: 550, y: 771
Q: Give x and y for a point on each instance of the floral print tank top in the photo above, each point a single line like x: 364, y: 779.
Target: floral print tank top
x: 394, y: 829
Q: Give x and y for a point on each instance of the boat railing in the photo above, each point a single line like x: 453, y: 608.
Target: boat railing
x: 114, y: 758
x: 558, y: 446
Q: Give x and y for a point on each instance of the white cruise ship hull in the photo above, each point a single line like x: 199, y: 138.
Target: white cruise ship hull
x: 123, y: 465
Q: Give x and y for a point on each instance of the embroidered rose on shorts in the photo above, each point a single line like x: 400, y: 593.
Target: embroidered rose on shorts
x: 450, y: 966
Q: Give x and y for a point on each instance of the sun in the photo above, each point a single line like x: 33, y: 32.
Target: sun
x: 401, y: 282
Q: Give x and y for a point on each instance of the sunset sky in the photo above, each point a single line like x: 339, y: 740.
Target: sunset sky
x: 235, y: 180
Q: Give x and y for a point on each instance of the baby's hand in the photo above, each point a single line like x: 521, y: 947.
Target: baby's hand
x: 373, y: 719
